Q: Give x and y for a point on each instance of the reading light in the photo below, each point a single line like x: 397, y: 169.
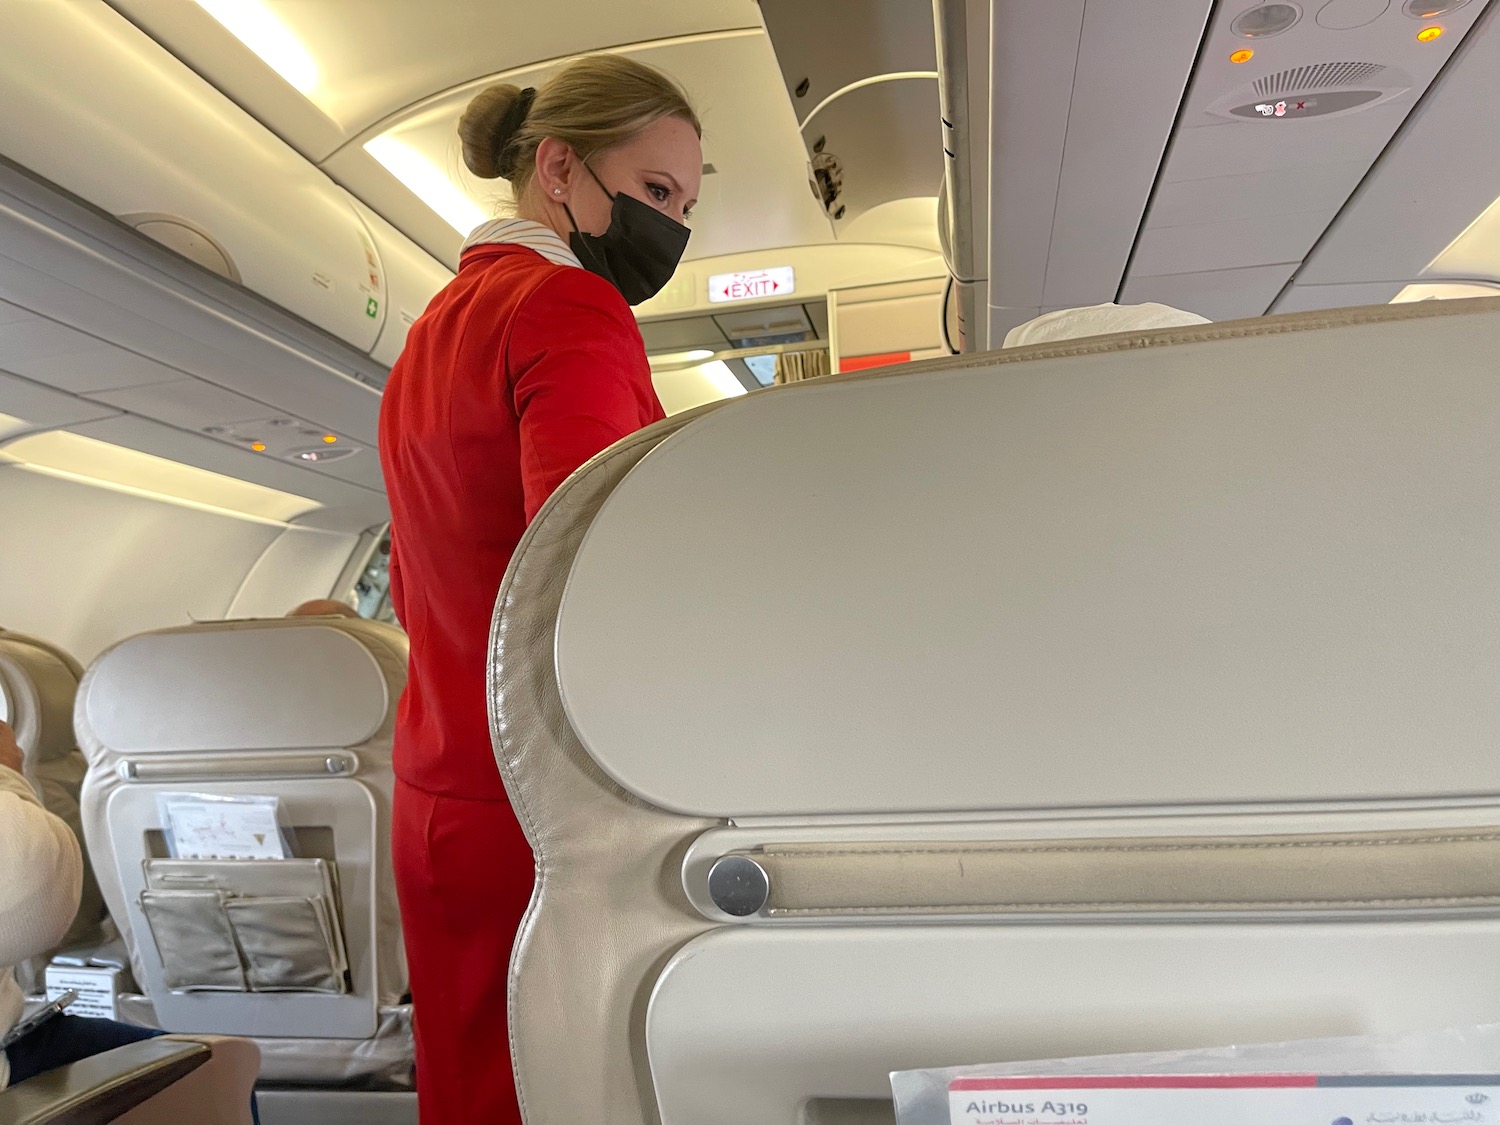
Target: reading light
x: 1428, y: 34
x: 329, y: 438
x: 1242, y: 56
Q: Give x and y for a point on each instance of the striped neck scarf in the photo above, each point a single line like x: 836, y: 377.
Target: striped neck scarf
x: 524, y: 232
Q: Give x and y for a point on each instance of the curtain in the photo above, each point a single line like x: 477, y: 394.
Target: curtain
x: 793, y: 367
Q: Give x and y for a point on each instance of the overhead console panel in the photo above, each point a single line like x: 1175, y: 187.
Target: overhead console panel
x: 1290, y: 106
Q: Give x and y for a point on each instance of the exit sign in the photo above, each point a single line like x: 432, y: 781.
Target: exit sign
x: 778, y: 281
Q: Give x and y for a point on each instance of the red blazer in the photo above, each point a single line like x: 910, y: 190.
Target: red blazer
x: 518, y: 372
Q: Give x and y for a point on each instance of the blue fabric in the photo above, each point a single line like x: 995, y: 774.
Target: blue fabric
x: 67, y: 1039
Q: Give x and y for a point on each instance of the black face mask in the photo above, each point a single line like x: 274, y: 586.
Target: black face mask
x: 639, y: 251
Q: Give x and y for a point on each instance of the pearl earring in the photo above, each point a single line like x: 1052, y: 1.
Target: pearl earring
x: 557, y: 191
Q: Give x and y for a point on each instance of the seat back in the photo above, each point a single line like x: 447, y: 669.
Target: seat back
x: 298, y: 709
x: 38, y: 682
x: 1120, y: 694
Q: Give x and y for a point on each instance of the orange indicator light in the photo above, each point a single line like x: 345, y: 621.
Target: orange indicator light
x: 1242, y: 56
x: 329, y: 438
x: 1428, y: 34
x: 258, y: 446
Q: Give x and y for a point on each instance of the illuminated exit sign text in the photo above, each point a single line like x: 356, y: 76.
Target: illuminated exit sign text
x: 776, y: 282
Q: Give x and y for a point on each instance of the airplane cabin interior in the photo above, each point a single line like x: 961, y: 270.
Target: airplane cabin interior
x: 904, y: 699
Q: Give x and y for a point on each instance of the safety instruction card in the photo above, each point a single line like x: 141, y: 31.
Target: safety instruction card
x: 215, y: 827
x: 1238, y: 1099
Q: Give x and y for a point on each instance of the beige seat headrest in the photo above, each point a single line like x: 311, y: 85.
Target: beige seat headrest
x: 37, y: 685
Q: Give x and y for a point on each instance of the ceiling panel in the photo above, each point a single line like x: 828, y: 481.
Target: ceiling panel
x: 99, y: 368
x: 63, y: 357
x: 1226, y: 246
x: 190, y: 404
x: 34, y: 337
x: 44, y: 407
x: 1434, y: 180
x: 1119, y: 119
x: 1031, y: 79
x: 1306, y: 298
x: 379, y: 57
x: 1254, y: 195
x: 1216, y: 294
x: 1084, y: 96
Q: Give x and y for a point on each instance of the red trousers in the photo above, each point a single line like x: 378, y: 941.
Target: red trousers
x: 464, y: 874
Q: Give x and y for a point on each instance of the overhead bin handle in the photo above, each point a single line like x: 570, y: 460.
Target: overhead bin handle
x: 239, y: 767
x: 1306, y: 874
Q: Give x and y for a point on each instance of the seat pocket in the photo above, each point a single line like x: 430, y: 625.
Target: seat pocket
x: 288, y: 944
x: 195, y: 941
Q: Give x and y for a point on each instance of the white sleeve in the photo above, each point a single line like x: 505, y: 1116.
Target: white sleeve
x: 41, y: 873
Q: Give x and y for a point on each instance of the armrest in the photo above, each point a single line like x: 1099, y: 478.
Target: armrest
x: 98, y: 1089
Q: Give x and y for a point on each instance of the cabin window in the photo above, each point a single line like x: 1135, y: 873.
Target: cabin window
x: 763, y: 367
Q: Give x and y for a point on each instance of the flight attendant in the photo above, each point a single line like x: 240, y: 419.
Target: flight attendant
x: 523, y: 368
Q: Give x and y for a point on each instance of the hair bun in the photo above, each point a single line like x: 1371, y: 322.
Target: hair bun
x: 505, y: 132
x: 489, y: 126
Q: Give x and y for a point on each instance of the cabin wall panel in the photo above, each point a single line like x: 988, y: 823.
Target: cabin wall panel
x: 85, y: 566
x: 301, y: 563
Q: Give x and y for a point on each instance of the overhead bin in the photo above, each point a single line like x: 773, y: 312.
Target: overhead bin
x: 862, y: 79
x: 412, y: 277
x: 95, y: 321
x: 139, y: 135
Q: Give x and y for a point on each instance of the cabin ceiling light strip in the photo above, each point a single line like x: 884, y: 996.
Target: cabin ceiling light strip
x: 254, y: 24
x: 427, y: 182
x: 873, y: 80
x: 100, y: 463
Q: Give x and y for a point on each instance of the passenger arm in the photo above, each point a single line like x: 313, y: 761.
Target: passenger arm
x: 101, y: 1087
x: 580, y: 381
x: 43, y: 866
